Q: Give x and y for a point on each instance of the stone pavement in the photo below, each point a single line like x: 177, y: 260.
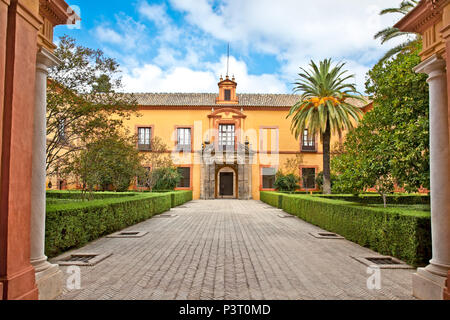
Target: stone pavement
x: 231, y: 249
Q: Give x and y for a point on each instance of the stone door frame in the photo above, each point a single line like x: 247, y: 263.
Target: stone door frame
x: 226, y: 169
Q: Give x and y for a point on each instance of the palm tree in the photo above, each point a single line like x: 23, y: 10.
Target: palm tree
x: 391, y: 32
x: 324, y: 107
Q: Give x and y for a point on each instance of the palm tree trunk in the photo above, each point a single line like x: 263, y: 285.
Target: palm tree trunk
x: 326, y: 161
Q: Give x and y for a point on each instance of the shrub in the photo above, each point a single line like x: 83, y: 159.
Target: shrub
x: 287, y: 182
x: 72, y: 225
x: 319, y: 180
x: 405, y: 234
x: 165, y: 178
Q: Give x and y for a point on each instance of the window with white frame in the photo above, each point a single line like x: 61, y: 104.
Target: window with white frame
x: 184, y: 139
x: 308, y: 141
x: 144, y: 139
x: 226, y: 136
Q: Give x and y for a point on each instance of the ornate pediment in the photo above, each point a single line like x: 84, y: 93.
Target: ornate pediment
x: 227, y: 113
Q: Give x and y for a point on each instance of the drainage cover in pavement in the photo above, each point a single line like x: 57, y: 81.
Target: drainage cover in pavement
x: 166, y: 216
x: 328, y: 234
x: 83, y: 259
x: 80, y: 258
x: 325, y: 235
x: 285, y: 216
x: 127, y: 234
x: 383, y: 262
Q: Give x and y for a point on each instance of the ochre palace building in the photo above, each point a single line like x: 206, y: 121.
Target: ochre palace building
x: 229, y: 145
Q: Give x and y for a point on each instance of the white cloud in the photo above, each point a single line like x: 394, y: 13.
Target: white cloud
x: 107, y: 35
x: 152, y: 78
x: 157, y: 14
x: 126, y: 33
x: 292, y: 31
x: 296, y: 31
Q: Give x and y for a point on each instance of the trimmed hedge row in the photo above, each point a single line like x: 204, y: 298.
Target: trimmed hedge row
x: 180, y: 197
x: 405, y: 234
x: 60, y: 194
x: 272, y: 198
x: 72, y: 225
x: 377, y: 199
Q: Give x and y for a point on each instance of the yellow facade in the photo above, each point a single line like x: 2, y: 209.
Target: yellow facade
x: 255, y: 120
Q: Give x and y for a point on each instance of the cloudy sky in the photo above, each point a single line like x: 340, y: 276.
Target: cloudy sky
x: 181, y: 45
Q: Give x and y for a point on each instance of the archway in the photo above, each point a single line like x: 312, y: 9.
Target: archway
x: 226, y: 187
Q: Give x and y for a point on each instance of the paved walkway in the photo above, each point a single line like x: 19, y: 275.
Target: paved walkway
x: 229, y: 249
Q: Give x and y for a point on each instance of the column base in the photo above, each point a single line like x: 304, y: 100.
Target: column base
x: 20, y: 286
x: 49, y: 282
x: 427, y: 285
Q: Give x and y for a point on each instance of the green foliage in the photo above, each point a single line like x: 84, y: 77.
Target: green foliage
x: 402, y: 233
x: 157, y: 159
x: 165, y: 178
x: 83, y: 101
x: 180, y: 197
x: 319, y: 180
x: 111, y: 162
x: 324, y: 107
x: 288, y: 182
x: 56, y: 194
x: 72, y: 225
x: 391, y: 144
x: 395, y: 199
x: 272, y: 198
x: 390, y: 33
x: 324, y: 90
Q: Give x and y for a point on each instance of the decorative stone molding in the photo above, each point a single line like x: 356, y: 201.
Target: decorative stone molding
x: 424, y: 15
x: 434, y: 66
x: 430, y: 19
x: 53, y: 13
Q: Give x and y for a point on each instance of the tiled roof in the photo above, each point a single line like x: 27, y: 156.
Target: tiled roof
x: 209, y: 99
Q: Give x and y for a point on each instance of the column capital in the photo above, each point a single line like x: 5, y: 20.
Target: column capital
x: 432, y: 66
x: 46, y: 59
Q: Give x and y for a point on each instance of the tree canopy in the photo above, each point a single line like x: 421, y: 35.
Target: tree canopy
x: 391, y: 144
x: 109, y: 163
x: 83, y: 101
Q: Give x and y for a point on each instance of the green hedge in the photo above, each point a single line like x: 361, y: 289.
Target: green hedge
x: 377, y: 199
x: 272, y: 198
x: 405, y: 234
x: 180, y: 197
x: 57, y: 194
x: 72, y: 225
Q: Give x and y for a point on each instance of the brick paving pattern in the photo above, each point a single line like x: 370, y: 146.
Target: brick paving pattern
x: 230, y: 249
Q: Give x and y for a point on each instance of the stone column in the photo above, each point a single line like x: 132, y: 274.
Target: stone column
x: 429, y: 282
x: 48, y: 276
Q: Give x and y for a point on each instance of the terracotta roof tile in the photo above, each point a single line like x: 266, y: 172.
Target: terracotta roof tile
x: 209, y: 99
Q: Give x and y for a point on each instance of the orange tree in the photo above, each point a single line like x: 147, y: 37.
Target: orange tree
x: 391, y: 144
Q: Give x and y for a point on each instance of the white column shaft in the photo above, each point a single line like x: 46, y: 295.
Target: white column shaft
x: 439, y: 165
x: 38, y: 259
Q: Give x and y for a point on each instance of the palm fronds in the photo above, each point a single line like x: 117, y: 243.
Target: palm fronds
x: 391, y: 32
x: 325, y: 90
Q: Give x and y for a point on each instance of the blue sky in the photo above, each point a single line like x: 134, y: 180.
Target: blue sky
x: 180, y: 45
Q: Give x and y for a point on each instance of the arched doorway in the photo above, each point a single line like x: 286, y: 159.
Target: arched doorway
x: 226, y: 183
